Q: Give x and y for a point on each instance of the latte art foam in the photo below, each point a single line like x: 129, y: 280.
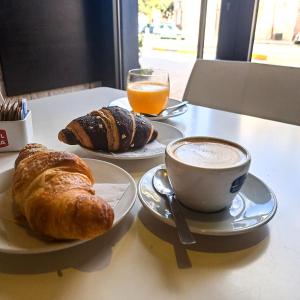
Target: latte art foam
x: 209, y: 154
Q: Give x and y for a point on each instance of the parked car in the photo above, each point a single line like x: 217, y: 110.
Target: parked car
x: 297, y: 38
x: 148, y: 28
x: 168, y: 31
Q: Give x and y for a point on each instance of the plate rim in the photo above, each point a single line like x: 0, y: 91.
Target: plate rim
x: 66, y: 245
x: 105, y: 155
x: 205, y: 231
x: 162, y: 118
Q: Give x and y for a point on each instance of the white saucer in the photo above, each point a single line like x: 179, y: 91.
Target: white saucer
x: 16, y: 239
x: 166, y: 134
x: 254, y: 206
x: 123, y: 102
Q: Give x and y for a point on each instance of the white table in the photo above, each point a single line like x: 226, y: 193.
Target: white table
x: 141, y: 258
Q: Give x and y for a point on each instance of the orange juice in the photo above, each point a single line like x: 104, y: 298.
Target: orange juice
x: 147, y: 96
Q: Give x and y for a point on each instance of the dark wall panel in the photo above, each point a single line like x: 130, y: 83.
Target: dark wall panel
x: 51, y: 44
x: 129, y: 36
x: 235, y: 29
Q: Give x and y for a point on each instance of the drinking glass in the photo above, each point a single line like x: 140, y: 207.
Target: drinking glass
x: 148, y: 90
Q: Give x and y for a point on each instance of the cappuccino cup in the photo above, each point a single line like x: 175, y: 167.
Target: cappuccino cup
x: 206, y: 172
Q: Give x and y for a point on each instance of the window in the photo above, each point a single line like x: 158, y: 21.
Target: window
x: 277, y: 34
x: 168, y: 35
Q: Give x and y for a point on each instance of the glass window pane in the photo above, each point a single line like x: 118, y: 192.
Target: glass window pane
x: 168, y: 36
x: 277, y: 34
x: 211, y: 29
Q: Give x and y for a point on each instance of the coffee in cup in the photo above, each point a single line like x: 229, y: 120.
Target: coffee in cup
x: 205, y: 172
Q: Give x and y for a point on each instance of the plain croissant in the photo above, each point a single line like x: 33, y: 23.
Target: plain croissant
x: 52, y: 193
x: 110, y: 129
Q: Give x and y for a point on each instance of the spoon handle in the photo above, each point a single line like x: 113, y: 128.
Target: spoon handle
x: 174, y: 107
x: 184, y: 234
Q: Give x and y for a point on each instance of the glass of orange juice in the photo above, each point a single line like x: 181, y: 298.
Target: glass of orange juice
x: 148, y: 90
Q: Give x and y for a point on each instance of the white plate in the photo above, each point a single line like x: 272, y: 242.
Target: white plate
x: 166, y: 134
x: 253, y: 206
x: 16, y: 239
x: 123, y: 102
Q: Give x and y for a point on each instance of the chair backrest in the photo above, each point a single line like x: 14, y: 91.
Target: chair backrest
x: 266, y: 91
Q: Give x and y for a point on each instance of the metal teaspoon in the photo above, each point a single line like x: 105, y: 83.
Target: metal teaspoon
x: 163, y: 186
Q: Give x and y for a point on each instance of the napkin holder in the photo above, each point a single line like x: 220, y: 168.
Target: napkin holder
x: 14, y: 135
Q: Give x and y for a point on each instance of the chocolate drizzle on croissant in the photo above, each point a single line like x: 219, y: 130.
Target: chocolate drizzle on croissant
x: 110, y: 129
x: 53, y: 195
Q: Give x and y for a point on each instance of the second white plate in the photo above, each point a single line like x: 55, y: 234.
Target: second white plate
x: 254, y: 206
x: 166, y: 134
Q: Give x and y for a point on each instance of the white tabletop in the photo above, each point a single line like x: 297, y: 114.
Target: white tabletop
x: 141, y: 258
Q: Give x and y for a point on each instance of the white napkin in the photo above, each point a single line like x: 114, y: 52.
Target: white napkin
x: 152, y: 148
x: 111, y: 192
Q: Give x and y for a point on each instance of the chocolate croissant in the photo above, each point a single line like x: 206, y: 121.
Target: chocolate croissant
x: 110, y: 129
x: 53, y: 195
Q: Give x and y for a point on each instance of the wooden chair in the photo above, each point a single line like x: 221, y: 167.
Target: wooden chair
x: 266, y: 91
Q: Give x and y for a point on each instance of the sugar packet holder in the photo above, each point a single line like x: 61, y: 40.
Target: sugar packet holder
x: 13, y: 111
x: 14, y: 135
